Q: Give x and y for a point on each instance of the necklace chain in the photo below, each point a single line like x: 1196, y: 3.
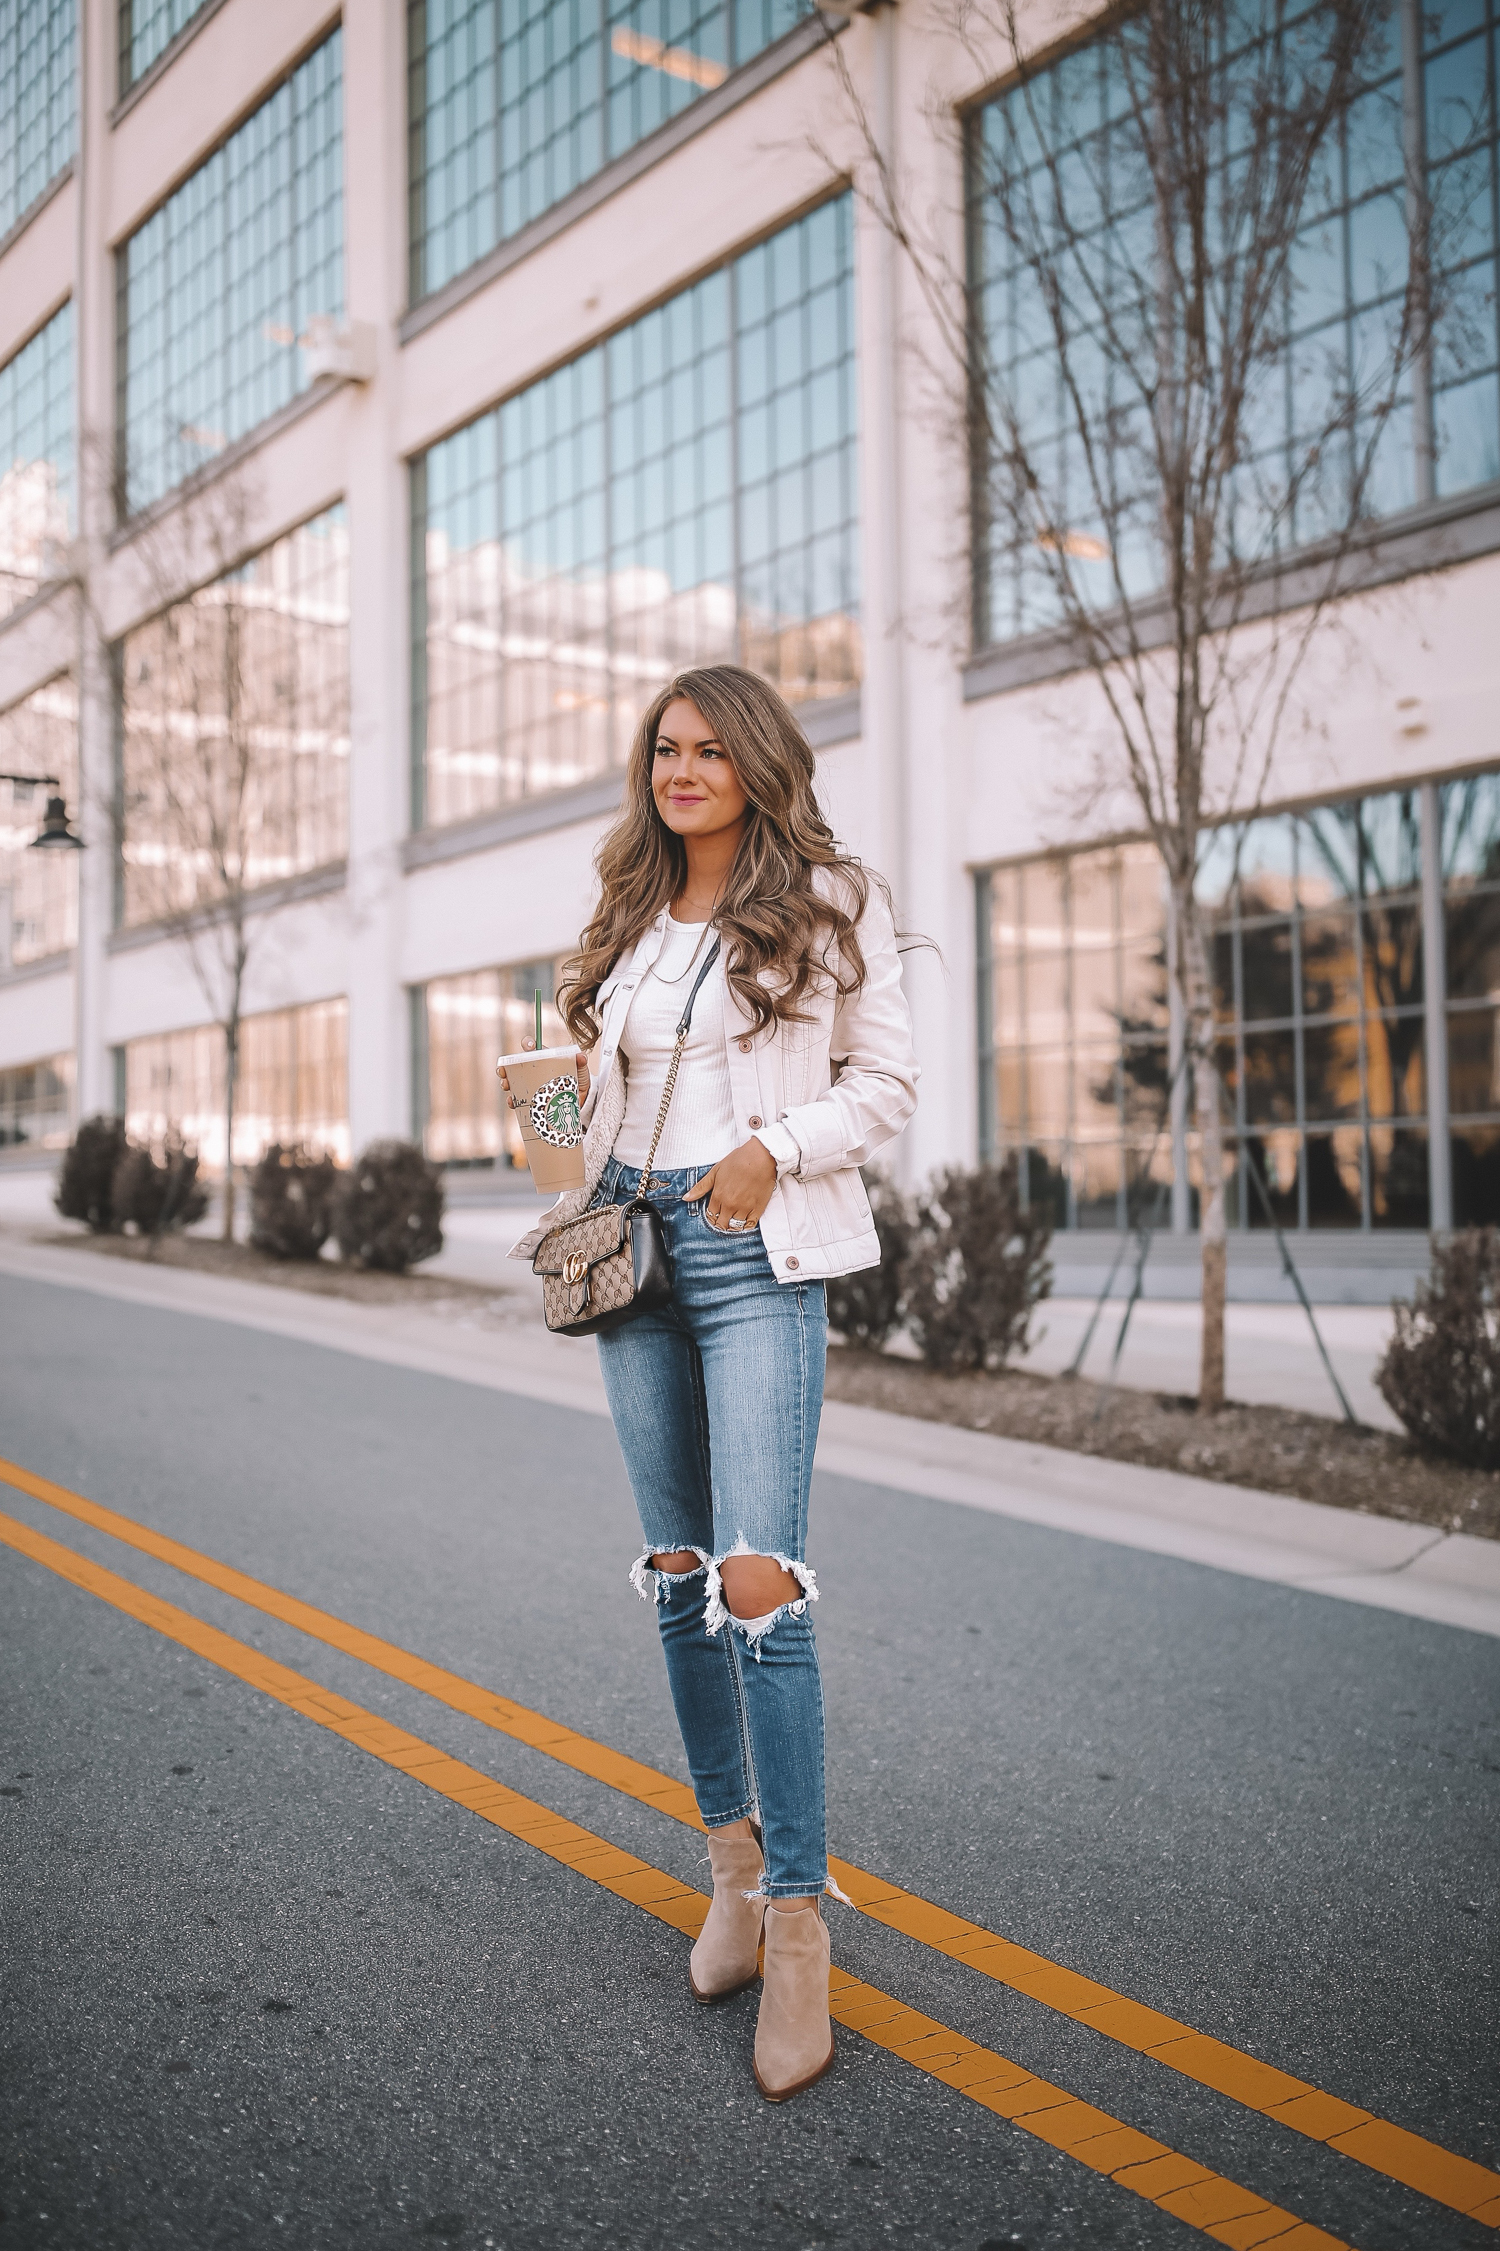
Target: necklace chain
x: 697, y: 950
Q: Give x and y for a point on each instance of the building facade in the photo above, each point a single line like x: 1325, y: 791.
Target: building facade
x: 392, y: 396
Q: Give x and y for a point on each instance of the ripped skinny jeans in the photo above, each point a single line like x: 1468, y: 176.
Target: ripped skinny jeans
x: 716, y: 1401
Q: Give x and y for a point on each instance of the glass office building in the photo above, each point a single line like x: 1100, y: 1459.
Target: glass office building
x: 435, y: 381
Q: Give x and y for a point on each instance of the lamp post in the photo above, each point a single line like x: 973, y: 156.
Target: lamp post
x: 54, y: 833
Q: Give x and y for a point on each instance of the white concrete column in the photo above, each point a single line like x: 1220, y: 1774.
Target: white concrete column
x: 877, y: 309
x: 918, y: 497
x: 94, y: 403
x: 376, y: 507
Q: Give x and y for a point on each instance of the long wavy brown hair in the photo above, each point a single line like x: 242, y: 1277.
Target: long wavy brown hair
x: 772, y: 915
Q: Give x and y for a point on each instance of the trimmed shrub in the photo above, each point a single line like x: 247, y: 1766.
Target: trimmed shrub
x: 86, y: 1177
x: 864, y: 1308
x: 154, y: 1197
x: 1441, y: 1370
x: 291, y: 1201
x: 977, y: 1268
x: 388, y: 1208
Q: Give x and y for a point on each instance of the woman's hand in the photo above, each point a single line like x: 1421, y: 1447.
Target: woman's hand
x: 580, y: 1064
x: 738, y: 1188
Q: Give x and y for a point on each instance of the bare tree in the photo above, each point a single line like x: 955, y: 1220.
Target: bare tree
x: 216, y: 691
x: 1169, y: 469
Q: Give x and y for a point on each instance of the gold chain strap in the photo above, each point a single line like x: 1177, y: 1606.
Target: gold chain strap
x: 644, y: 1185
x: 666, y: 1093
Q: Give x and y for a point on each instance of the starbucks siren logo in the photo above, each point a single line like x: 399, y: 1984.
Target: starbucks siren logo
x: 554, y: 1113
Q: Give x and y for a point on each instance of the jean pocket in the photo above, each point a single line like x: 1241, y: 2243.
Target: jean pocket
x: 727, y: 1234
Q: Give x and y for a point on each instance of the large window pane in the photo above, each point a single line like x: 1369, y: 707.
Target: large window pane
x: 39, y: 736
x: 292, y: 1084
x: 36, y: 461
x: 513, y: 105
x: 38, y: 100
x: 218, y: 285
x: 1320, y: 998
x: 235, y: 729
x: 1471, y: 917
x: 1078, y: 947
x: 576, y: 545
x: 469, y: 1020
x: 147, y: 29
x: 1057, y: 178
x: 36, y: 1103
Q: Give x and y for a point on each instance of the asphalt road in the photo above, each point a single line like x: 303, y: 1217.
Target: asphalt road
x: 261, y: 1989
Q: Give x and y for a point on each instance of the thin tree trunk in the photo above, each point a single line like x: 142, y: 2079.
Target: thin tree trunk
x: 231, y: 1088
x: 1198, y: 1011
x: 1215, y: 1242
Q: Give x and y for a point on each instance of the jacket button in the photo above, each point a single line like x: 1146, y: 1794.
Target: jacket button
x: 744, y: 1047
x: 791, y: 1266
x: 754, y: 1122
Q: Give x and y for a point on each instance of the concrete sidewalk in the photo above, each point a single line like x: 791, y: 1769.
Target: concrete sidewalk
x: 1272, y: 1360
x: 1449, y: 1578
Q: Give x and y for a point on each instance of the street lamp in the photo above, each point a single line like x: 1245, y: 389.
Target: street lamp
x: 54, y: 833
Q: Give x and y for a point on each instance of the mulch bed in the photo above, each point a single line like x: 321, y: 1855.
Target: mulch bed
x: 1273, y: 1449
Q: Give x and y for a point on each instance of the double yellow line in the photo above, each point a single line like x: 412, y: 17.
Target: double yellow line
x: 1221, y: 2208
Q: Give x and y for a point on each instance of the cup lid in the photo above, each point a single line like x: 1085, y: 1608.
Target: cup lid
x: 566, y: 1055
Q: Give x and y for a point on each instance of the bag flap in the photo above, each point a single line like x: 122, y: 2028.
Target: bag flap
x: 595, y: 1235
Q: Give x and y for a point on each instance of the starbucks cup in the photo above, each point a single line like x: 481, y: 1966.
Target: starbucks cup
x: 544, y: 1092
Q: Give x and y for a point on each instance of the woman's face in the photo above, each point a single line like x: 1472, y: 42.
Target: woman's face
x: 696, y: 788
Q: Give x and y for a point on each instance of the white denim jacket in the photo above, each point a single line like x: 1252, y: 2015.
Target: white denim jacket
x: 819, y: 1127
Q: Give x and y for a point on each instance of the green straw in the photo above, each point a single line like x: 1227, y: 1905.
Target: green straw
x: 538, y: 1015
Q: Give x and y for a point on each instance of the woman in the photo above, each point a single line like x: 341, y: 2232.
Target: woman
x: 797, y: 1068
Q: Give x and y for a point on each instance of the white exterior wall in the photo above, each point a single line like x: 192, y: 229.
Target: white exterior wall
x: 933, y: 787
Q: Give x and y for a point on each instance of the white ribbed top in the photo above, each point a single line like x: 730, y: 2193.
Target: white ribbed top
x: 700, y: 1126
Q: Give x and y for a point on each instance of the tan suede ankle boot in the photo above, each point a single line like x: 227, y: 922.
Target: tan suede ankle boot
x: 793, y: 2039
x: 726, y: 1954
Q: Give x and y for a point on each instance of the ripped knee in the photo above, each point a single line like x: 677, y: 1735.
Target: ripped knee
x: 655, y: 1573
x: 751, y: 1591
x: 754, y: 1584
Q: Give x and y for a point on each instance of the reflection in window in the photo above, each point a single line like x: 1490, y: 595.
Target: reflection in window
x: 36, y: 461
x: 36, y: 1104
x: 620, y: 519
x: 1080, y: 1029
x: 513, y: 107
x: 463, y: 1023
x: 1458, y: 70
x: 293, y: 1084
x: 235, y: 729
x: 1318, y: 928
x: 1471, y: 929
x: 38, y: 890
x: 147, y: 29
x: 218, y: 285
x: 1066, y: 135
x: 38, y: 100
x: 1316, y: 937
